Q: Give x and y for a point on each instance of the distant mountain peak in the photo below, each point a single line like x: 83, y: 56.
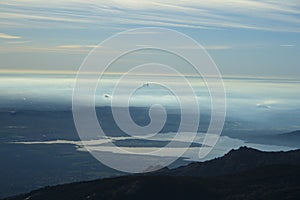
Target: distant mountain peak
x: 244, y: 148
x: 293, y: 133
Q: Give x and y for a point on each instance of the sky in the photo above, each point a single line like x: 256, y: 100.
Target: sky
x: 244, y: 38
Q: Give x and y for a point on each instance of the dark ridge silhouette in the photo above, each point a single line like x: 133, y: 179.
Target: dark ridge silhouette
x: 245, y: 173
x: 235, y: 161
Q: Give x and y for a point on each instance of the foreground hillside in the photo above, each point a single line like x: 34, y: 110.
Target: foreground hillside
x: 273, y: 175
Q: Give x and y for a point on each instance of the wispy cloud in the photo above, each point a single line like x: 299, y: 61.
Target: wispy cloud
x: 140, y: 33
x: 76, y: 46
x: 18, y: 42
x: 209, y: 47
x: 21, y: 48
x: 217, y: 47
x: 6, y: 36
x: 287, y: 45
x: 271, y: 15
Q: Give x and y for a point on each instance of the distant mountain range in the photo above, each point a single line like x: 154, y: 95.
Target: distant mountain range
x: 245, y: 173
x: 290, y: 135
x: 289, y: 139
